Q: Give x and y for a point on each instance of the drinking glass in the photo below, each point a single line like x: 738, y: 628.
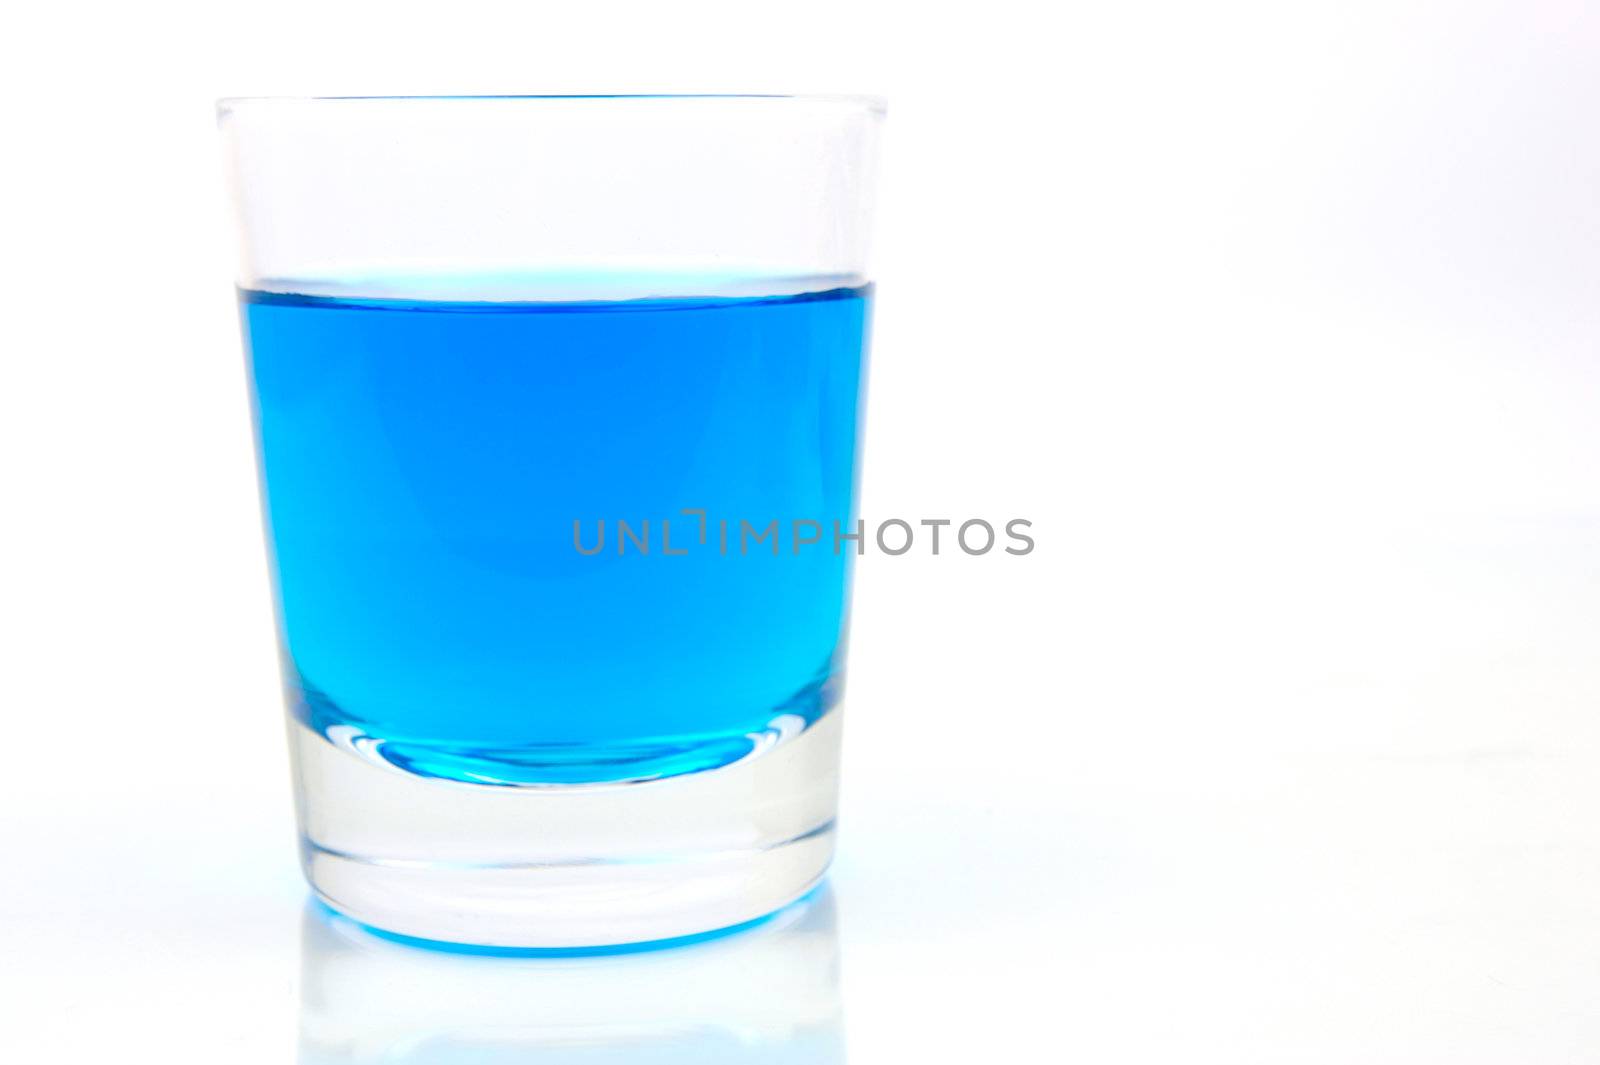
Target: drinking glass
x: 557, y: 405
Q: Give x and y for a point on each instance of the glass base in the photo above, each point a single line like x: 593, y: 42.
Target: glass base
x: 569, y: 865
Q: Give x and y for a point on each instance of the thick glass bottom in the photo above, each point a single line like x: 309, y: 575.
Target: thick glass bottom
x: 566, y: 866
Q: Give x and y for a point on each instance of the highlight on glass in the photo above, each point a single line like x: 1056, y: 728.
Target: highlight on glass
x: 516, y: 365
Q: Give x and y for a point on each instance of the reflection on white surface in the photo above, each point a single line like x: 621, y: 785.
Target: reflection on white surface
x: 769, y: 995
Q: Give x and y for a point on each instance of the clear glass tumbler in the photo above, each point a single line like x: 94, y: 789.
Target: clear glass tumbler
x: 557, y: 403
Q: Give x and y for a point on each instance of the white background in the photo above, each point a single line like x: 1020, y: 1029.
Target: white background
x: 1279, y: 321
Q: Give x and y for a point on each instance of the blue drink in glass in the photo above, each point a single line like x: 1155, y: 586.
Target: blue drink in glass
x: 557, y: 405
x: 513, y: 541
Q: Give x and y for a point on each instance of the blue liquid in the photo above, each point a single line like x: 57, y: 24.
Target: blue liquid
x: 423, y: 464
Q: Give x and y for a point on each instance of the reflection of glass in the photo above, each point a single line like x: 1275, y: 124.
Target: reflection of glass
x: 768, y: 995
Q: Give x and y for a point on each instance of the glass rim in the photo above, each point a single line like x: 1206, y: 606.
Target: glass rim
x: 876, y: 105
